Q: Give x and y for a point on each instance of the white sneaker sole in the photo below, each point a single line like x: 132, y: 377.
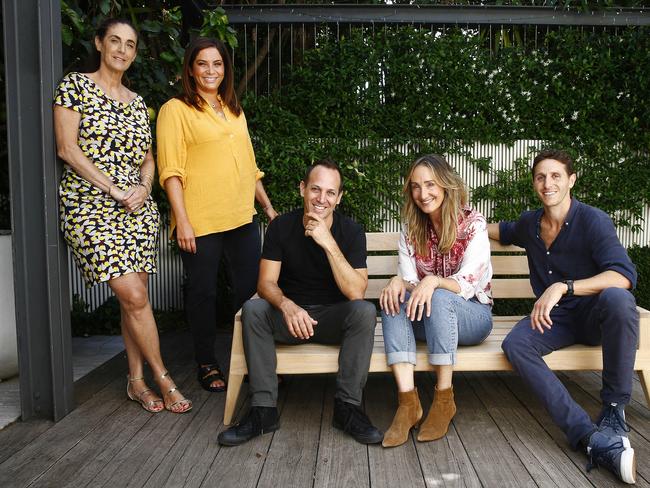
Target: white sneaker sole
x: 628, y: 463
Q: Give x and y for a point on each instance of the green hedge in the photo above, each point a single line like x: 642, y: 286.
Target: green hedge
x: 375, y: 102
x: 641, y: 258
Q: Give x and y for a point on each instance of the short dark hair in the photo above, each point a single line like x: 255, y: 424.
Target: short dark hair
x: 227, y: 87
x: 93, y: 61
x: 326, y: 163
x: 557, y: 155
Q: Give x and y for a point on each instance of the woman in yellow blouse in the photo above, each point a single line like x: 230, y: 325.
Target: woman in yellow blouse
x: 207, y: 167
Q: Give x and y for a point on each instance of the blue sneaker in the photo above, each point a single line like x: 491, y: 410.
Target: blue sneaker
x: 613, y: 453
x: 612, y: 420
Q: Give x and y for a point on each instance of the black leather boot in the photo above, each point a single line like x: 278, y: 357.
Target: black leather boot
x: 258, y: 421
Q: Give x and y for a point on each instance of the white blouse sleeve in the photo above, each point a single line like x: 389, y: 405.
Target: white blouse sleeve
x: 475, y: 269
x: 406, y: 260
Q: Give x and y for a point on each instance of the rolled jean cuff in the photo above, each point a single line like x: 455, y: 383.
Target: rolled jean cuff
x: 445, y: 359
x: 400, y: 357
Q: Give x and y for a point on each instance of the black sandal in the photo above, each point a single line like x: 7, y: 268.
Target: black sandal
x: 207, y: 374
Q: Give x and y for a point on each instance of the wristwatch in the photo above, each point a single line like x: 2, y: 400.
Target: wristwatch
x: 569, y: 286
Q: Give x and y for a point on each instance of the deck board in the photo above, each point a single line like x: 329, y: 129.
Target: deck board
x: 543, y: 461
x: 241, y: 465
x: 395, y: 466
x: 293, y: 452
x: 599, y: 478
x: 493, y: 458
x: 444, y: 462
x: 187, y: 463
x: 500, y: 437
x: 340, y: 463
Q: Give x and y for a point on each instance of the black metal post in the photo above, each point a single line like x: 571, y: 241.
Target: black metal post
x: 432, y: 14
x: 32, y: 31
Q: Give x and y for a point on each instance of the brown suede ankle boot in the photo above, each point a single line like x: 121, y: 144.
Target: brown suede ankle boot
x: 442, y: 411
x: 408, y: 415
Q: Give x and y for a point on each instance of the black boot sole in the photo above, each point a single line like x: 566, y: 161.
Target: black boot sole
x: 360, y: 438
x: 244, y: 440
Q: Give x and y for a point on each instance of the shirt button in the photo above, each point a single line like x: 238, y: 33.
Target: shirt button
x: 232, y: 135
x: 547, y: 253
x: 550, y: 271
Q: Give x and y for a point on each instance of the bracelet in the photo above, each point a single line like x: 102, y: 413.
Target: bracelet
x: 146, y: 183
x: 146, y: 180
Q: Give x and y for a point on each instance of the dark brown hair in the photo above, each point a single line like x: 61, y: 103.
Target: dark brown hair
x: 94, y: 59
x: 227, y: 87
x: 557, y: 155
x: 326, y: 163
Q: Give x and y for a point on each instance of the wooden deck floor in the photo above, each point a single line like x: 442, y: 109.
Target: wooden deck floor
x: 499, y: 437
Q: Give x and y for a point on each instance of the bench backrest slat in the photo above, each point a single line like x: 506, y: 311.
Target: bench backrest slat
x: 514, y: 265
x: 387, y: 241
x: 501, y: 288
x: 501, y: 265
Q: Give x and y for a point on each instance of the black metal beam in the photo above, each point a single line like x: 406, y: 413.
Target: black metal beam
x: 432, y: 14
x: 32, y: 32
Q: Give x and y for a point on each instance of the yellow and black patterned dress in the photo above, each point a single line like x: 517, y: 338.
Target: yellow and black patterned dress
x: 105, y: 239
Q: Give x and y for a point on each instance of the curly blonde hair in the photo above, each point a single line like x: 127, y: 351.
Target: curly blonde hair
x: 456, y: 197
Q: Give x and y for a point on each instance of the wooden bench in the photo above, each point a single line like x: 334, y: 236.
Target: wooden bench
x: 510, y: 281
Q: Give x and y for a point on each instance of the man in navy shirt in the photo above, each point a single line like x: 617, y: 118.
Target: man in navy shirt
x: 312, y: 280
x: 581, y: 276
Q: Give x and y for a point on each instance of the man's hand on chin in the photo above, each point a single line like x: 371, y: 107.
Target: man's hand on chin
x: 317, y: 229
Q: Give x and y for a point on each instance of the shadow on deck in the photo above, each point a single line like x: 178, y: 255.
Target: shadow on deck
x: 499, y: 437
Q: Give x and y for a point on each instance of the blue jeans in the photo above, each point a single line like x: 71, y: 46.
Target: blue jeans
x: 610, y: 318
x: 454, y: 321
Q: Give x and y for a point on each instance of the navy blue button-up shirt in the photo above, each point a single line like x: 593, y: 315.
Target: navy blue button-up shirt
x: 586, y: 246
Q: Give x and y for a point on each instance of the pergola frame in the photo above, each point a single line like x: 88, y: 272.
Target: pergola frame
x: 432, y: 14
x: 32, y: 34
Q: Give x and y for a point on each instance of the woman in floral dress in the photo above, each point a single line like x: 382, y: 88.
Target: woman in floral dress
x: 108, y: 217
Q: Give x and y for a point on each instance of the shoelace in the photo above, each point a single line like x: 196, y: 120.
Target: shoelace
x: 613, y: 418
x: 595, y: 453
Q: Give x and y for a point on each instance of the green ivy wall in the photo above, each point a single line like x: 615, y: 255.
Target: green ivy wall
x: 375, y: 102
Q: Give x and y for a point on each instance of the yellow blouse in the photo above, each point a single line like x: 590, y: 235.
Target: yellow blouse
x: 215, y: 162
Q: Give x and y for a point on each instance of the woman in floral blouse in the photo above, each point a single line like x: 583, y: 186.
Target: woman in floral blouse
x: 441, y: 294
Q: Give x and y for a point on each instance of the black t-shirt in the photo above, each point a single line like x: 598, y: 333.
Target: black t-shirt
x: 306, y: 276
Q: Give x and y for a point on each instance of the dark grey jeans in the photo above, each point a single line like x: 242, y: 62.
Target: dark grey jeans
x: 351, y: 324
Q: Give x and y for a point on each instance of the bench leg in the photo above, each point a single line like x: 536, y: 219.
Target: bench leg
x: 232, y: 394
x: 644, y: 376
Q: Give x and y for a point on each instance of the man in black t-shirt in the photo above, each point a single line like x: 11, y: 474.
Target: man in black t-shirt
x: 312, y: 280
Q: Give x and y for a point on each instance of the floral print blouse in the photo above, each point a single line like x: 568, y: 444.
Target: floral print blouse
x: 468, y: 261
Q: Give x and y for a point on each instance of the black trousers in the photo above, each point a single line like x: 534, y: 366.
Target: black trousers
x: 242, y: 248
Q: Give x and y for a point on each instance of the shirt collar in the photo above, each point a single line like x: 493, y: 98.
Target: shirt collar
x: 567, y: 220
